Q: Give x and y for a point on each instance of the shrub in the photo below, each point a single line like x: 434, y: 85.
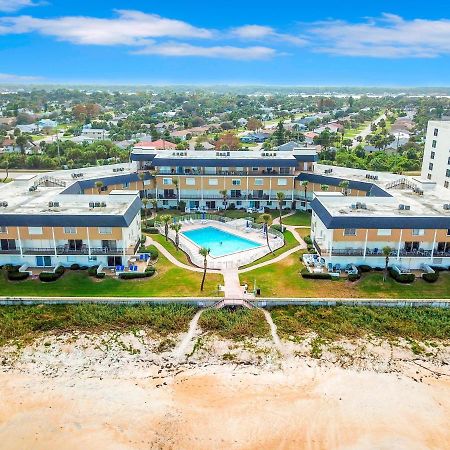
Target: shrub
x: 430, y: 277
x: 100, y: 275
x: 401, y: 277
x: 353, y: 276
x: 308, y: 240
x: 277, y: 227
x: 75, y: 267
x: 150, y: 223
x: 60, y: 270
x: 150, y: 230
x: 48, y: 277
x: 317, y: 276
x: 150, y: 270
x: 182, y: 205
x: 153, y: 252
x: 439, y: 268
x: 364, y: 268
x: 231, y: 207
x: 17, y: 276
x: 92, y: 271
x: 134, y: 275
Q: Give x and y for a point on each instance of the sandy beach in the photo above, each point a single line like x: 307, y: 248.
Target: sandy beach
x: 134, y: 391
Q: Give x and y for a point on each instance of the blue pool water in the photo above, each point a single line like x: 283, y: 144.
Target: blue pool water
x: 219, y: 242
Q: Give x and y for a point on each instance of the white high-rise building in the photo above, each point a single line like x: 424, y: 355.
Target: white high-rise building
x: 436, y: 156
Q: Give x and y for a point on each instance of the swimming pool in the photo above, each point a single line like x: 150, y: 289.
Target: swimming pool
x: 218, y: 241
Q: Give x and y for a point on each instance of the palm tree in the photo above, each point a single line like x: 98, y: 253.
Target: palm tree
x: 224, y: 195
x: 386, y: 252
x: 141, y: 176
x: 99, y: 185
x: 204, y: 252
x: 176, y: 227
x: 166, y: 218
x: 176, y: 183
x: 266, y: 218
x: 280, y: 198
x: 344, y: 184
x: 145, y: 202
x: 154, y: 203
x: 305, y: 187
x: 5, y: 166
x: 324, y: 187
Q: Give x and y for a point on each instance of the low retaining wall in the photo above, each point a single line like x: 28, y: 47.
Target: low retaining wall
x: 209, y: 301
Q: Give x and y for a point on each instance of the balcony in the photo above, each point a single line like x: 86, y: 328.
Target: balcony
x: 10, y: 251
x: 167, y: 196
x: 38, y: 251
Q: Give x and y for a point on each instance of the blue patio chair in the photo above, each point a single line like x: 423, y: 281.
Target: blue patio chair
x: 141, y: 257
x: 330, y: 267
x: 135, y: 268
x: 375, y: 251
x: 118, y: 268
x: 122, y: 268
x: 337, y: 268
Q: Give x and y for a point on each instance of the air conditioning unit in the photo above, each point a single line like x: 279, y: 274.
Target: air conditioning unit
x: 91, y: 205
x: 401, y: 207
x: 407, y: 207
x: 447, y: 206
x: 103, y: 204
x: 56, y: 204
x: 4, y: 204
x: 97, y: 204
x: 50, y: 204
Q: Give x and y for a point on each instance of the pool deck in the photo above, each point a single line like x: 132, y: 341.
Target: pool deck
x: 232, y: 260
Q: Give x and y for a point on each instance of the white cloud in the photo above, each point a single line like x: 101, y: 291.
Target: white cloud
x: 129, y: 28
x: 10, y: 78
x: 390, y: 36
x: 15, y: 5
x: 259, y: 32
x: 219, y: 51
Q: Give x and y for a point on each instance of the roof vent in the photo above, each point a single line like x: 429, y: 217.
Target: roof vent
x: 447, y: 206
x: 4, y: 204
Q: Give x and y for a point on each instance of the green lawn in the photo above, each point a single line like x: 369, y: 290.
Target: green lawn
x: 283, y: 279
x: 170, y: 247
x: 300, y: 218
x: 169, y: 281
x: 289, y: 242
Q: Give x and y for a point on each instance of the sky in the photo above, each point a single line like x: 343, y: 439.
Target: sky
x: 293, y: 42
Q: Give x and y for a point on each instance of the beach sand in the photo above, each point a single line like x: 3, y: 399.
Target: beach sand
x: 119, y: 391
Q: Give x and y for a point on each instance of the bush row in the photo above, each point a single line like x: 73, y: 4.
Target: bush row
x: 401, y: 277
x: 48, y: 277
x: 149, y: 271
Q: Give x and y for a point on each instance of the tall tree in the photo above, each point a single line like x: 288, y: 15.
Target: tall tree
x: 224, y: 194
x: 176, y: 227
x: 280, y: 198
x: 204, y: 252
x: 279, y: 134
x: 166, y: 218
x: 266, y: 218
x: 344, y: 184
x: 99, y: 185
x: 386, y: 252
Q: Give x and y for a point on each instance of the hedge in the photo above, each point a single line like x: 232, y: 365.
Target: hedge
x: 17, y: 276
x: 48, y: 277
x: 430, y: 277
x: 153, y: 252
x: 308, y: 240
x: 100, y: 275
x: 318, y: 276
x: 403, y: 277
x: 92, y: 271
x: 150, y: 230
x: 364, y: 268
x: 134, y: 275
x: 353, y: 276
x: 277, y: 227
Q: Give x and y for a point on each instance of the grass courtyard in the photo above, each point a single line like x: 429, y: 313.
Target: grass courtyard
x: 283, y: 279
x: 168, y: 281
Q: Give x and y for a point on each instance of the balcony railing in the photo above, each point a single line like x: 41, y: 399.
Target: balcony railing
x: 38, y: 251
x: 82, y: 251
x: 9, y: 251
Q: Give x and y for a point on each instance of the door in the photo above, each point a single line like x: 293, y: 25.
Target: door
x: 109, y: 245
x: 75, y: 244
x: 114, y: 261
x: 43, y: 261
x: 8, y: 244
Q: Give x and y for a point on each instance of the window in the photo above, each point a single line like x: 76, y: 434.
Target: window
x: 105, y: 230
x: 282, y: 182
x: 284, y: 170
x: 430, y: 166
x: 349, y: 231
x: 429, y: 176
x: 433, y: 144
x: 436, y: 131
x: 432, y: 155
x: 167, y: 180
x: 447, y: 173
x: 446, y: 184
x: 104, y: 188
x: 384, y: 232
x: 70, y: 230
x: 190, y: 181
x: 418, y: 232
x: 259, y: 181
x: 239, y: 203
x: 3, y: 229
x: 448, y: 231
x: 125, y: 185
x: 165, y: 202
x: 255, y: 169
x: 34, y: 230
x: 92, y: 258
x: 147, y: 182
x: 213, y: 181
x: 236, y: 182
